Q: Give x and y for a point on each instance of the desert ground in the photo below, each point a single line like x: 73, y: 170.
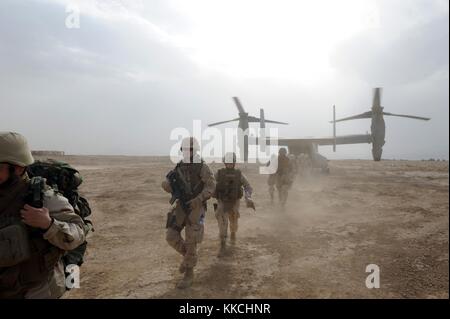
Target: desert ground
x: 394, y: 214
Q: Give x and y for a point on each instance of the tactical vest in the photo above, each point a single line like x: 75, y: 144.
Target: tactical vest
x: 191, y: 173
x: 28, y: 256
x: 229, y: 188
x: 283, y: 165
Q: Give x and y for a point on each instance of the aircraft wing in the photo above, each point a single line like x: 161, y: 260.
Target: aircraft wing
x: 344, y: 139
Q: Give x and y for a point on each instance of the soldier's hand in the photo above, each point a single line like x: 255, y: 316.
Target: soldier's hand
x: 250, y: 204
x: 166, y: 186
x: 195, y: 203
x: 36, y: 217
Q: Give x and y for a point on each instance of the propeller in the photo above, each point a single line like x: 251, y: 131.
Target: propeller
x: 218, y: 123
x: 376, y: 107
x: 408, y: 116
x: 243, y: 116
x: 376, y: 101
x: 238, y: 104
x: 378, y: 126
x: 366, y: 115
x: 252, y: 119
x: 275, y: 122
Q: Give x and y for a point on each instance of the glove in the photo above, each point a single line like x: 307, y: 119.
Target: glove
x: 250, y: 204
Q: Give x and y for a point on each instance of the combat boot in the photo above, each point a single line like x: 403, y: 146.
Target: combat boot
x: 187, y: 280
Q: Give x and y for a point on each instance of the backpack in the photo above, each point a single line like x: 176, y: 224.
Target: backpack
x: 65, y: 179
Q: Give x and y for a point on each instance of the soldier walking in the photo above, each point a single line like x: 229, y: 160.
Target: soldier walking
x: 191, y: 183
x: 232, y: 185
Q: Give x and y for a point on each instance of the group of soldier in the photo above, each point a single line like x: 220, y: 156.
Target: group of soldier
x: 198, y: 184
x: 35, y: 237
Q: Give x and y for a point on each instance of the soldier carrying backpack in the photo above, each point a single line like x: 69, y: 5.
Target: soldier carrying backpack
x: 65, y: 179
x: 37, y: 226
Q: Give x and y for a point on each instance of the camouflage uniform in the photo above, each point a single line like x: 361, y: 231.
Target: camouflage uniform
x: 228, y: 210
x: 282, y: 179
x: 193, y: 224
x: 41, y: 273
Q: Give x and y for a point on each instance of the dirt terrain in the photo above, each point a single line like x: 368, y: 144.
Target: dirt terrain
x: 394, y: 214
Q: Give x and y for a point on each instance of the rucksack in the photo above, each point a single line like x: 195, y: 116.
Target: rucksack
x: 65, y: 179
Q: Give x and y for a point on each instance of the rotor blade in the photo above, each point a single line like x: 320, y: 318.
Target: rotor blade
x: 252, y: 119
x: 376, y: 102
x: 217, y: 123
x: 408, y: 116
x: 366, y: 115
x: 276, y: 122
x: 238, y: 104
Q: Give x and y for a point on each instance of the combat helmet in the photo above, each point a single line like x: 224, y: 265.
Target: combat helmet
x: 190, y: 143
x: 282, y: 151
x: 229, y: 158
x: 14, y: 149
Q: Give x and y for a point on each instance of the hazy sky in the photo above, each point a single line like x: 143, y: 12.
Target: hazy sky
x: 135, y: 70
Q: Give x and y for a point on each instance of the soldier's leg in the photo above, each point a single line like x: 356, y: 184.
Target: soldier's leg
x: 193, y: 237
x: 271, y: 182
x: 284, y: 193
x: 174, y: 239
x: 194, y: 234
x: 173, y: 233
x: 280, y: 193
x: 222, y: 221
x: 271, y: 192
x: 234, y: 216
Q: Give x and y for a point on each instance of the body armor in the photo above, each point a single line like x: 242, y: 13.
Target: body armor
x: 229, y: 188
